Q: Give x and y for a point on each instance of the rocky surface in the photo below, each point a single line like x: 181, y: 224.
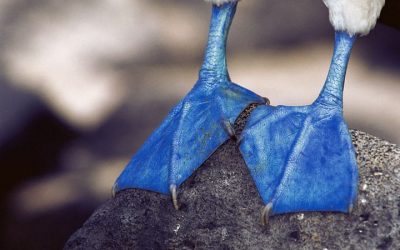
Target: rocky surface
x: 220, y: 209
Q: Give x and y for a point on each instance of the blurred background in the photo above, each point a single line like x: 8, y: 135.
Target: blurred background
x: 83, y: 83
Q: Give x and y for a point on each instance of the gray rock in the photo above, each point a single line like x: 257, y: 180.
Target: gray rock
x: 220, y: 209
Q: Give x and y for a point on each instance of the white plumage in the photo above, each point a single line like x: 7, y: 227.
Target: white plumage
x: 354, y: 16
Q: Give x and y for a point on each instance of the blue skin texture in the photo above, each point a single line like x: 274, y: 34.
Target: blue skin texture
x: 302, y: 158
x: 197, y: 125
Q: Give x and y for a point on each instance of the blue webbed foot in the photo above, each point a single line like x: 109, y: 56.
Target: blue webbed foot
x: 195, y: 127
x: 302, y: 158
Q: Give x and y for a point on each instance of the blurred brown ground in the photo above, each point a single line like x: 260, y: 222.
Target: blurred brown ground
x: 83, y: 83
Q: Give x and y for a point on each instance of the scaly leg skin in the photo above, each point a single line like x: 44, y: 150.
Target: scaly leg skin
x: 302, y: 158
x: 197, y: 126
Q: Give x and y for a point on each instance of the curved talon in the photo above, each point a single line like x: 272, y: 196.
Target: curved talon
x: 267, y: 101
x: 229, y: 128
x: 265, y: 214
x: 172, y: 188
x: 351, y: 207
x: 113, y: 190
x: 239, y: 139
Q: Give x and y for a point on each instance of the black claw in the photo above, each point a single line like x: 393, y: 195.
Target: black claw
x: 172, y: 188
x: 267, y: 101
x: 351, y: 207
x: 265, y: 214
x: 239, y: 139
x: 229, y: 128
x: 113, y: 191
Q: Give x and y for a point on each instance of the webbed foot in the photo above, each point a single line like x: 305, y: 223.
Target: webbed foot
x: 197, y: 126
x: 302, y: 158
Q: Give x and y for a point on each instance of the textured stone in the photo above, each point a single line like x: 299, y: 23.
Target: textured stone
x: 220, y: 209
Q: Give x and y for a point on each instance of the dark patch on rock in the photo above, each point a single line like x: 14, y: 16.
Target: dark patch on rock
x: 386, y: 243
x: 295, y: 235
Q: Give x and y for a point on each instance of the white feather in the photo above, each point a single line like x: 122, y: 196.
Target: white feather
x: 354, y: 16
x: 220, y: 2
